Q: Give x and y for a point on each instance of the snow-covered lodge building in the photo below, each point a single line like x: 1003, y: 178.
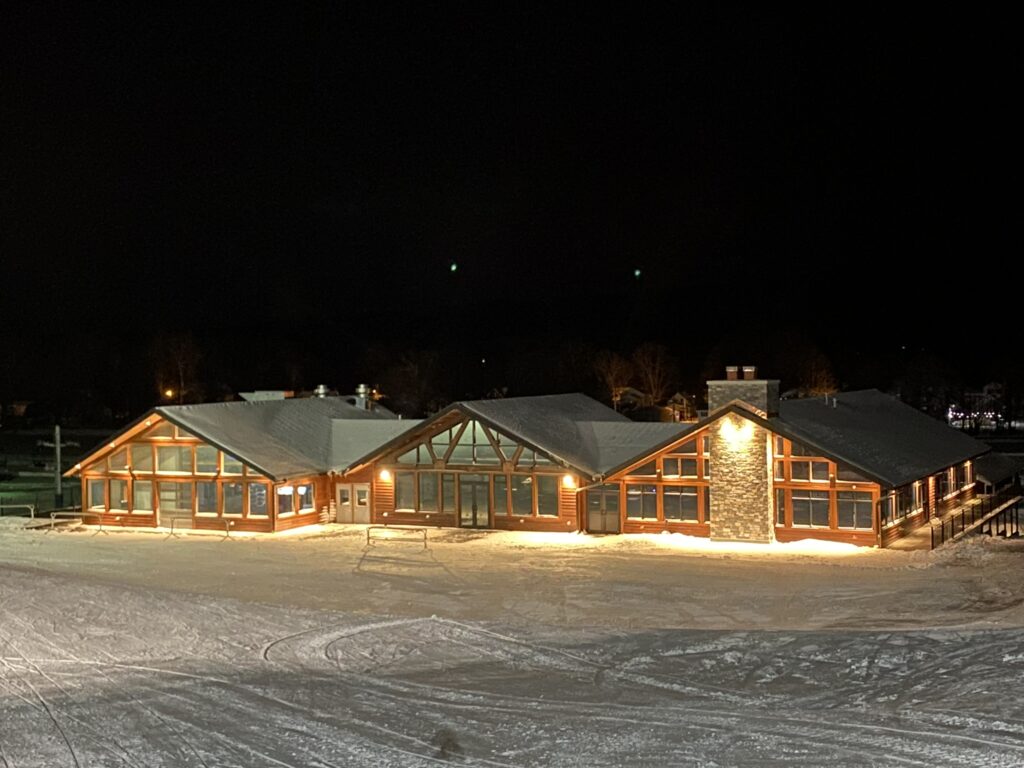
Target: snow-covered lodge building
x: 859, y: 467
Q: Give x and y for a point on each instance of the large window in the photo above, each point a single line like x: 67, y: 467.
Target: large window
x: 206, y: 459
x: 521, y: 487
x: 206, y: 498
x: 673, y: 466
x: 909, y: 499
x: 500, y: 495
x: 547, y: 495
x: 142, y: 458
x: 177, y: 497
x: 307, y: 497
x: 428, y: 492
x: 257, y: 500
x: 405, y: 491
x: 816, y: 471
x: 174, y: 458
x: 232, y: 466
x: 853, y: 509
x: 285, y: 501
x: 119, y: 461
x: 448, y: 492
x: 642, y: 501
x: 119, y: 495
x: 680, y: 503
x: 142, y: 497
x: 96, y: 490
x: 232, y: 498
x: 810, y: 508
x: 473, y: 447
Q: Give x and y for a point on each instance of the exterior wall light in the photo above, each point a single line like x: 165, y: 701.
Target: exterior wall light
x: 385, y: 475
x: 568, y: 481
x: 735, y: 435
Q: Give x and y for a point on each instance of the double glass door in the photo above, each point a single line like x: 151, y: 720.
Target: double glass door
x: 603, y: 509
x: 474, y: 501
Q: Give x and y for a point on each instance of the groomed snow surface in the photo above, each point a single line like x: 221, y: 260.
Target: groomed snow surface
x: 504, y: 649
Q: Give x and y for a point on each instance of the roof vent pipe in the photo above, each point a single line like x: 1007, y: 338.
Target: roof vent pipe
x: 321, y: 390
x: 362, y: 397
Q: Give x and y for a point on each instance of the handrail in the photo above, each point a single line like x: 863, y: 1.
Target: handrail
x: 67, y: 513
x: 968, y: 516
x: 400, y: 529
x: 30, y: 507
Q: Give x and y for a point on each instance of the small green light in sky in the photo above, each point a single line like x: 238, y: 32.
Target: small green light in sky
x: 636, y: 273
x: 454, y: 267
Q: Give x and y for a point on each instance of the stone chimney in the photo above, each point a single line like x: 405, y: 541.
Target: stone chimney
x: 762, y: 394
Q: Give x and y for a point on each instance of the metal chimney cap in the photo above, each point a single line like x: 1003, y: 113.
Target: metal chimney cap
x: 321, y: 390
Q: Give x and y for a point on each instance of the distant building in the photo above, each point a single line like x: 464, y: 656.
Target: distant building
x: 858, y: 467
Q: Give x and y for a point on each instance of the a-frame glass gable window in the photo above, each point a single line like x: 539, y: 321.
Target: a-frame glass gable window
x: 469, y: 444
x: 470, y: 467
x: 474, y: 446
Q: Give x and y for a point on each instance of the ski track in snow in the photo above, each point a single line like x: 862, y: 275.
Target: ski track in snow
x: 102, y: 674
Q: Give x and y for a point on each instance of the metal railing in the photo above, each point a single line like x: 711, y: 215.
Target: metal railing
x: 70, y: 515
x: 1006, y: 523
x: 30, y: 507
x: 376, y: 533
x: 964, y: 519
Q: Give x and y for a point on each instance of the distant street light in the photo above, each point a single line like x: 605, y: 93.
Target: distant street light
x: 168, y: 393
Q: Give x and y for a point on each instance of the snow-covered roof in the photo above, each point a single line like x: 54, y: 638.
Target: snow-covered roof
x: 994, y: 468
x: 574, y: 430
x: 617, y: 445
x: 876, y: 433
x: 351, y: 439
x: 283, y: 438
x: 577, y: 430
x: 549, y: 423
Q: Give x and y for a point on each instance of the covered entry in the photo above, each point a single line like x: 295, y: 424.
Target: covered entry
x: 603, y: 509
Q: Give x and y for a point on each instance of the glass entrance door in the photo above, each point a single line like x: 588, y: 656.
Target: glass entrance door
x: 474, y: 502
x: 603, y: 509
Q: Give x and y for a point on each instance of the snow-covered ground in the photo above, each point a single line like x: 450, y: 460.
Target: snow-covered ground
x: 507, y: 649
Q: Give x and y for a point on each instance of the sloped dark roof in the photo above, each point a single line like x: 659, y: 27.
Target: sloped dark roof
x: 996, y: 468
x: 547, y: 422
x: 353, y: 439
x: 280, y: 438
x: 615, y: 445
x: 575, y: 430
x: 876, y: 433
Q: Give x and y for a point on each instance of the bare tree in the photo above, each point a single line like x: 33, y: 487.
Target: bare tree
x: 816, y: 377
x: 175, y: 359
x: 614, y: 372
x: 412, y: 381
x: 655, y: 370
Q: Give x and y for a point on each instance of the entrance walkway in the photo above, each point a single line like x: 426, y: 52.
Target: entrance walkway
x: 921, y: 537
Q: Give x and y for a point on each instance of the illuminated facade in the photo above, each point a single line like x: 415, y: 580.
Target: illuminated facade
x: 859, y: 467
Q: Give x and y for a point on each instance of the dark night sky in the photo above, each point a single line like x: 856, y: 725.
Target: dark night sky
x: 300, y: 181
